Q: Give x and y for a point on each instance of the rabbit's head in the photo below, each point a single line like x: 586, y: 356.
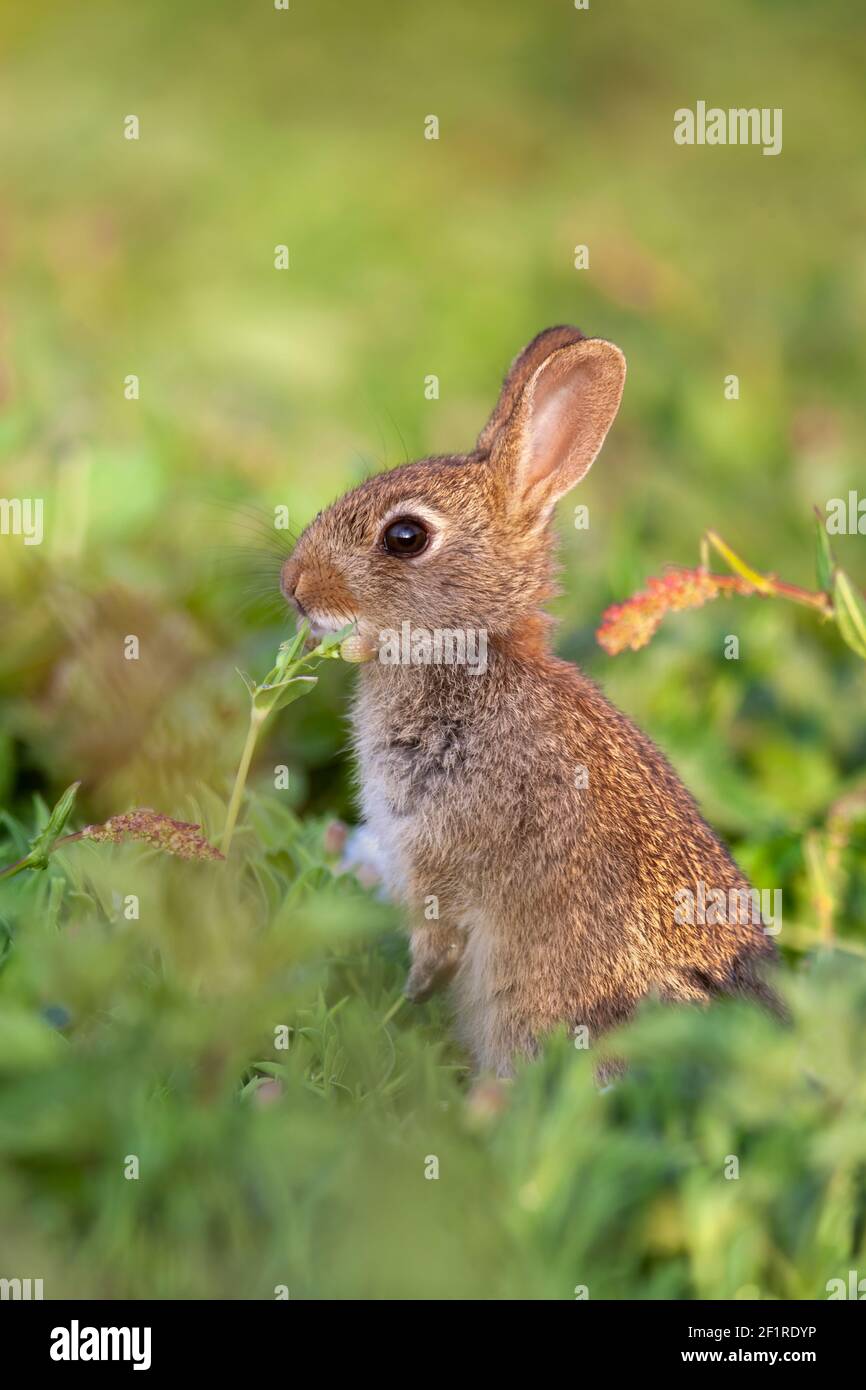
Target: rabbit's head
x: 462, y: 541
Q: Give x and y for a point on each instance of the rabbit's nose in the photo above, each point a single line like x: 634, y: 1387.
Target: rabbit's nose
x: 297, y: 585
x: 315, y: 588
x: 305, y: 585
x: 290, y: 578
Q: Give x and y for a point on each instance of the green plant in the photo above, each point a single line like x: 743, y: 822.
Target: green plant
x: 633, y: 623
x: 287, y: 681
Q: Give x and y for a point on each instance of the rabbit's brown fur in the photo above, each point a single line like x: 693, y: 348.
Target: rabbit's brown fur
x: 555, y: 888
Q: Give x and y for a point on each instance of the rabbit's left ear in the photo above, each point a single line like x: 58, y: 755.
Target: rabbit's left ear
x: 559, y: 424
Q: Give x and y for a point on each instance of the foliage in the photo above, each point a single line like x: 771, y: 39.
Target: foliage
x: 633, y: 623
x: 154, y: 1034
x: 158, y: 1038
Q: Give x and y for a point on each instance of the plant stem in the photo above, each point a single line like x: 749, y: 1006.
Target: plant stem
x: 768, y: 584
x: 257, y: 719
x: 27, y: 862
x: 793, y: 592
x: 273, y: 694
x: 15, y: 868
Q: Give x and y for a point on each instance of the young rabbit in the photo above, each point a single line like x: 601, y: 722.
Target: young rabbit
x: 543, y: 845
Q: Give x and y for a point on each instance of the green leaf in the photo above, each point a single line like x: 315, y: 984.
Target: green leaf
x: 738, y: 565
x: 269, y: 698
x: 248, y: 682
x: 302, y: 686
x: 6, y: 941
x: 26, y: 1041
x: 289, y: 650
x: 825, y: 563
x: 332, y: 640
x: 41, y: 844
x: 850, y: 610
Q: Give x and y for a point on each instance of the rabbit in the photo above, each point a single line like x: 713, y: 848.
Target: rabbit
x: 540, y: 842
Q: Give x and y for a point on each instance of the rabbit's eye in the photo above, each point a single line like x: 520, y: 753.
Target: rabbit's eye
x: 405, y: 536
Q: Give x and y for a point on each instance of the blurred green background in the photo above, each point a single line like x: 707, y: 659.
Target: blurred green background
x: 258, y: 387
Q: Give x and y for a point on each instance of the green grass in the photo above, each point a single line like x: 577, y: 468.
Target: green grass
x: 155, y: 1036
x: 243, y: 1039
x: 158, y: 1038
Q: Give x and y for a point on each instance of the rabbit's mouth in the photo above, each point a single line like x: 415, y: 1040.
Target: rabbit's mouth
x: 320, y: 624
x: 323, y: 624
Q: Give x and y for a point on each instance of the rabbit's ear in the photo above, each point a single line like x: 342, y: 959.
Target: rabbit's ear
x: 558, y: 426
x: 519, y: 373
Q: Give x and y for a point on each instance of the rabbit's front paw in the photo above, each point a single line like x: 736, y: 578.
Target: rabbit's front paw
x: 420, y: 984
x: 435, y: 958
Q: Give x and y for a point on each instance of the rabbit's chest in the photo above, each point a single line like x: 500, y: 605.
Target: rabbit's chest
x: 405, y: 837
x: 409, y: 784
x: 409, y: 763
